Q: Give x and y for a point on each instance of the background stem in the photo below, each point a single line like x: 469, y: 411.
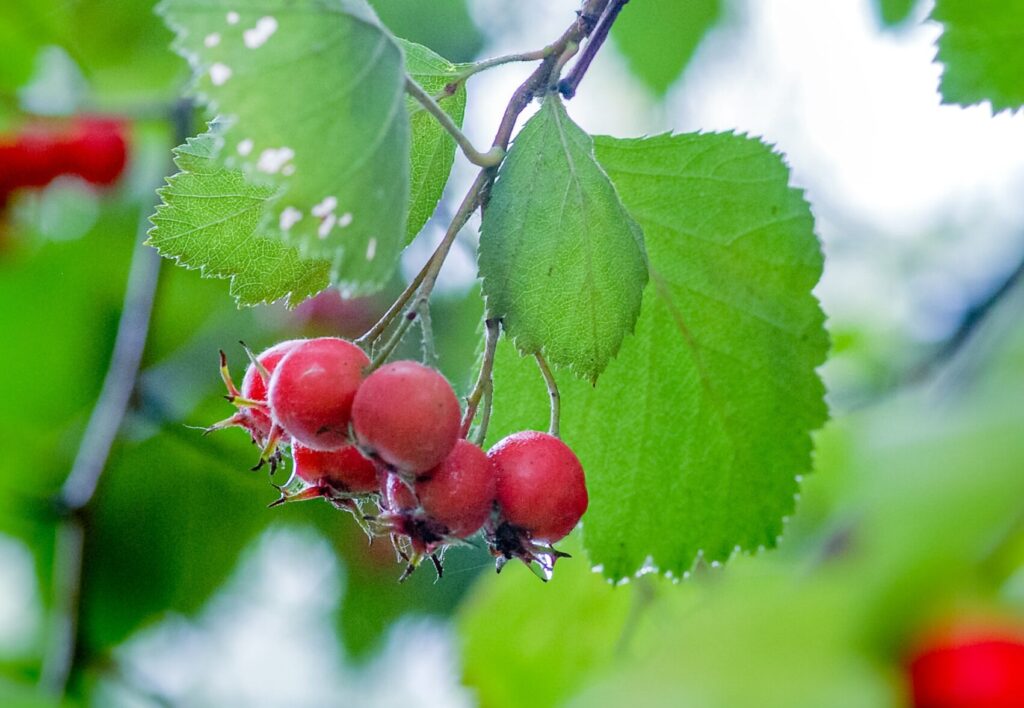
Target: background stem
x: 104, y: 424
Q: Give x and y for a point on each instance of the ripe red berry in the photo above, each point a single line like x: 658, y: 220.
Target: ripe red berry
x: 540, y: 485
x: 312, y: 390
x: 408, y: 415
x: 458, y: 494
x: 94, y: 148
x: 98, y: 150
x: 969, y: 664
x: 31, y: 159
x: 254, y: 388
x: 345, y: 470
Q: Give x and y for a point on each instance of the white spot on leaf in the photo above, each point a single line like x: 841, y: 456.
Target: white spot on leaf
x: 345, y: 219
x: 273, y: 159
x: 255, y: 37
x: 219, y: 74
x: 245, y: 147
x: 328, y: 205
x: 212, y: 40
x: 371, y: 249
x: 289, y: 217
x: 326, y: 226
x: 233, y: 18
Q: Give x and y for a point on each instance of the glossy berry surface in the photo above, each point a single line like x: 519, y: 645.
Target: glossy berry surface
x: 969, y: 665
x: 254, y: 387
x: 540, y: 484
x: 345, y: 470
x: 408, y: 415
x: 458, y: 493
x: 312, y: 390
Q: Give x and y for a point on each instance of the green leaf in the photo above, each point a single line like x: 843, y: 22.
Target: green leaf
x: 894, y: 12
x: 982, y: 48
x: 658, y: 37
x: 693, y: 438
x: 433, y: 149
x: 209, y: 220
x: 312, y: 93
x: 443, y: 25
x: 509, y: 647
x: 561, y: 260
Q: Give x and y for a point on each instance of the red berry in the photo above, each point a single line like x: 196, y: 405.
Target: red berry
x: 254, y: 387
x: 458, y: 494
x: 540, y: 485
x: 345, y: 470
x: 98, y: 150
x: 312, y: 390
x: 31, y: 159
x: 408, y: 415
x: 973, y: 664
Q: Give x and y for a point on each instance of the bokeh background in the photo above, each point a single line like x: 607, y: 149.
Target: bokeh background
x: 193, y: 593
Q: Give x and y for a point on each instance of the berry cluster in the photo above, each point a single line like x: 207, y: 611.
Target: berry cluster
x: 389, y: 445
x: 93, y: 148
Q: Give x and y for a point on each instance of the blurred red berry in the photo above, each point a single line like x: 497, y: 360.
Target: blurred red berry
x: 969, y: 664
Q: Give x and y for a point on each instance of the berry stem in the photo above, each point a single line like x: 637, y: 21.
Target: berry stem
x: 484, y: 65
x: 396, y: 337
x: 485, y: 415
x: 427, y: 334
x: 549, y: 381
x: 482, y: 159
x: 485, y: 380
x: 424, y: 281
x: 538, y: 82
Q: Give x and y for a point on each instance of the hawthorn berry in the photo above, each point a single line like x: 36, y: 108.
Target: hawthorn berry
x: 98, y: 150
x: 407, y: 414
x: 540, y: 484
x: 312, y: 389
x: 344, y: 471
x: 969, y: 664
x: 456, y: 497
x: 93, y: 148
x: 541, y: 495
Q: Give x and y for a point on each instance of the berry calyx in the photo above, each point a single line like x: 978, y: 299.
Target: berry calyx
x: 541, y: 496
x: 312, y: 389
x: 969, y: 664
x: 406, y: 414
x: 345, y: 471
x: 253, y: 411
x: 256, y: 381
